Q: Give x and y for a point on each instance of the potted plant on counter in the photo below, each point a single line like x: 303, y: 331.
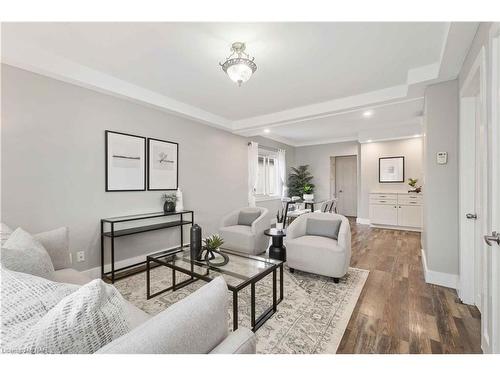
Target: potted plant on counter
x: 413, y: 183
x: 169, y: 205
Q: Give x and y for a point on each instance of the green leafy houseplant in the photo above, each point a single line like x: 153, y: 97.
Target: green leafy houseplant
x: 413, y: 183
x: 299, y: 181
x: 213, y: 242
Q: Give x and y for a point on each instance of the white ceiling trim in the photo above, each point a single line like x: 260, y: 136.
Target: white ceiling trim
x: 258, y: 130
x: 34, y: 59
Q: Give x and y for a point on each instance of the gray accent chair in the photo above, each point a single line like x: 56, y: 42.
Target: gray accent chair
x: 318, y: 254
x: 249, y: 239
x: 197, y: 324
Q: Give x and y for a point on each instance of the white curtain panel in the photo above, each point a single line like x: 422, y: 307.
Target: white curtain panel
x: 282, y: 172
x: 253, y: 171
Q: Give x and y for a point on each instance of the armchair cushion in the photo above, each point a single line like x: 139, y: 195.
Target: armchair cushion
x: 316, y: 242
x: 324, y: 228
x: 248, y: 216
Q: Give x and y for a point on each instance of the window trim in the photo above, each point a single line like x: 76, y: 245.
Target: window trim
x: 266, y: 154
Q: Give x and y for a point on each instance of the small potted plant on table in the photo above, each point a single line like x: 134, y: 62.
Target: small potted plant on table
x: 169, y: 205
x: 280, y: 217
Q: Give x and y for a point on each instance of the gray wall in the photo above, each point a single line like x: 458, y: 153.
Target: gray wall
x: 318, y: 158
x: 411, y: 149
x: 440, y: 238
x: 53, y: 164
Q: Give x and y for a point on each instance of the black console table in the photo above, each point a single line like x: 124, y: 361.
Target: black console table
x: 109, y: 230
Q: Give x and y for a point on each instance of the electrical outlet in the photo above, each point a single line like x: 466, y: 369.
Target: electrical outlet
x: 80, y: 256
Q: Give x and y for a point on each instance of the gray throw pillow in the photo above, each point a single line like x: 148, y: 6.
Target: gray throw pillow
x: 247, y: 217
x: 23, y: 253
x: 323, y: 228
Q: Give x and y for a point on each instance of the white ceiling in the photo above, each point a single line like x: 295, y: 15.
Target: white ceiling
x: 305, y: 70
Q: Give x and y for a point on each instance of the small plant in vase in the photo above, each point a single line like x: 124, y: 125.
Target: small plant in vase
x: 280, y: 217
x: 212, y: 245
x: 413, y: 183
x: 169, y: 205
x: 308, y: 192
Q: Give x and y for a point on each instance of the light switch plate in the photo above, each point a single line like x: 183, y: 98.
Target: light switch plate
x: 442, y: 157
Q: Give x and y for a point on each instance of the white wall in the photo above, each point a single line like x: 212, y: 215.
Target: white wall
x: 318, y: 158
x: 440, y: 238
x: 53, y: 164
x: 410, y: 148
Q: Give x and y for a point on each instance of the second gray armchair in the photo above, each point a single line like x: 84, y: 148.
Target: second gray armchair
x: 243, y: 230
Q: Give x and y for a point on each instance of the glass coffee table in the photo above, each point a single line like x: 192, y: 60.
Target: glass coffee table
x: 241, y: 271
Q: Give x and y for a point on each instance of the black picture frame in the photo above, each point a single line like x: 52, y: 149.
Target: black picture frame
x: 391, y: 181
x: 107, y: 161
x: 150, y: 164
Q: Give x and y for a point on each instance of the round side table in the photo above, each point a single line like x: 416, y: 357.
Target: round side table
x: 277, y: 250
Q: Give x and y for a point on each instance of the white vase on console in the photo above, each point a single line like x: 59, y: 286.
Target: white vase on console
x: 179, y: 204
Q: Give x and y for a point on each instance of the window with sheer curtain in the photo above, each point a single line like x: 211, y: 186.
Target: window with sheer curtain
x: 268, y: 180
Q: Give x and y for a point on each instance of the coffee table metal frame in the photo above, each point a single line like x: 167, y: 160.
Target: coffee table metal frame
x: 162, y: 258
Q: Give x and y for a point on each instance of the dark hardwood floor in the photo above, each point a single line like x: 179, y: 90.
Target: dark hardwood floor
x: 397, y: 311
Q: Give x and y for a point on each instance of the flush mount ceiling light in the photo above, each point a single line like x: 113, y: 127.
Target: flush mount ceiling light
x: 238, y: 65
x: 367, y: 114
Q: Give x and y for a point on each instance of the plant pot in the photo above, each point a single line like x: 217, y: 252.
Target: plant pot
x: 308, y: 197
x: 169, y: 207
x: 279, y: 226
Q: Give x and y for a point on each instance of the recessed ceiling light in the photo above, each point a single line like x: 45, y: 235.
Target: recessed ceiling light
x: 367, y: 114
x: 368, y: 141
x: 417, y: 135
x: 267, y: 130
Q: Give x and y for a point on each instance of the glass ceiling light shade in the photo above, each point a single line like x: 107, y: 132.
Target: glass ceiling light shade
x: 239, y: 66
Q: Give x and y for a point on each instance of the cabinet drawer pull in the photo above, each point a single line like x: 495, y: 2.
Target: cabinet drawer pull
x: 382, y: 201
x: 413, y: 202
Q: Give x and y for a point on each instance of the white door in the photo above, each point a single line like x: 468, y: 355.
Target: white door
x: 490, y: 329
x: 346, y: 185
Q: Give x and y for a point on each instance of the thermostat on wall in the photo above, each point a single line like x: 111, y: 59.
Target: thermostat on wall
x: 442, y: 157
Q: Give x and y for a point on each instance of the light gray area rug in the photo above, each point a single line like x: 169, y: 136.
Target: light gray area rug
x: 311, y: 319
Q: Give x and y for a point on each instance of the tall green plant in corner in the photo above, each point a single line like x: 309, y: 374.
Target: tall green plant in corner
x: 299, y: 181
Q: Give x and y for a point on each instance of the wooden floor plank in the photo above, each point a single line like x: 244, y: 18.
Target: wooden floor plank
x: 398, y: 312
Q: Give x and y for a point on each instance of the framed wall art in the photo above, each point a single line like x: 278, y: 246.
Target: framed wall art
x: 391, y: 169
x: 163, y: 167
x: 125, y: 162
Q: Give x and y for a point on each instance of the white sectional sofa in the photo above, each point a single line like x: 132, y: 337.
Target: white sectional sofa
x: 197, y: 324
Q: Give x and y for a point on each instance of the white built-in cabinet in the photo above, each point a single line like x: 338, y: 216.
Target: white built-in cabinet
x: 398, y: 210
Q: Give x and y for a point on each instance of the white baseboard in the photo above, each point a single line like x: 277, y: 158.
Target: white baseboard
x: 360, y: 220
x: 396, y: 227
x: 95, y: 273
x: 448, y: 280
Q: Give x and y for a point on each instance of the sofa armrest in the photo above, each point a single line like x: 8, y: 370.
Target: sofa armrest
x: 241, y: 341
x: 194, y: 325
x: 230, y: 219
